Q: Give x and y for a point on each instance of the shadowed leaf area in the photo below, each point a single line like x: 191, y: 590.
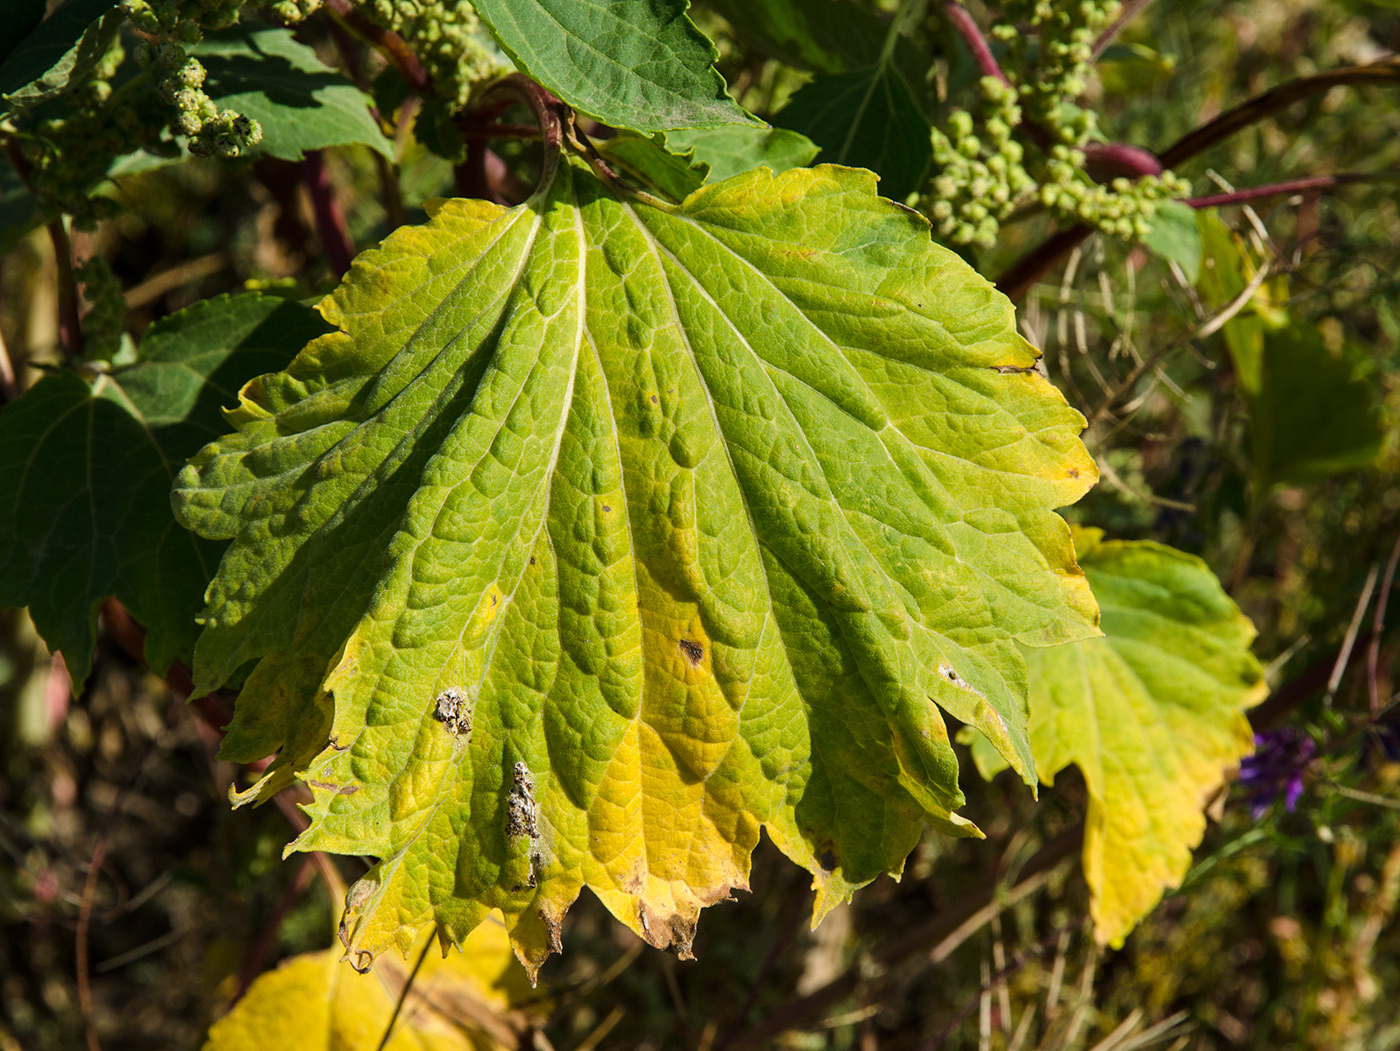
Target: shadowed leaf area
x: 86, y: 465
x: 606, y: 533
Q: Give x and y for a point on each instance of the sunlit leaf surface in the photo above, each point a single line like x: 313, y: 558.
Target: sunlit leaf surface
x: 605, y: 534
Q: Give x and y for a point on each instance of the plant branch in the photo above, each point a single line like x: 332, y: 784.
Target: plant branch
x: 331, y: 228
x: 70, y: 323
x: 1282, y: 189
x: 388, y: 43
x: 1256, y: 109
x: 966, y: 27
x: 1022, y: 274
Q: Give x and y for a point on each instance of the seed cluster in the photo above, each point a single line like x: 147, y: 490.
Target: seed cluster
x: 982, y: 174
x: 176, y: 26
x: 448, y: 39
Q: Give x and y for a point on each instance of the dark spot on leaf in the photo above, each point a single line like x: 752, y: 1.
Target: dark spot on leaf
x: 522, y: 812
x: 532, y: 560
x: 693, y: 651
x: 827, y: 859
x: 655, y: 400
x: 454, y: 710
x: 494, y: 599
x: 1074, y: 472
x: 606, y: 508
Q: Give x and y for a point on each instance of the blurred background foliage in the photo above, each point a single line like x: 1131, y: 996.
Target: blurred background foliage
x: 1240, y: 368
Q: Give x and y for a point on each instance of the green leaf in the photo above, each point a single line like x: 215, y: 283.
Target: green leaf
x: 606, y: 533
x: 86, y: 469
x: 639, y: 66
x: 301, y: 103
x: 1316, y: 412
x: 675, y: 174
x: 867, y: 119
x: 1152, y: 714
x: 732, y: 150
x: 17, y: 21
x: 63, y: 49
x: 1176, y: 236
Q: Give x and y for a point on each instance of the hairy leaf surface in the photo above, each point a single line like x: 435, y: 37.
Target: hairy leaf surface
x: 644, y: 67
x: 605, y: 534
x: 1152, y: 714
x: 86, y: 466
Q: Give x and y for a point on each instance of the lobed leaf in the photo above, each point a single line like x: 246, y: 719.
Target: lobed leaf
x: 301, y: 103
x: 866, y: 118
x: 1152, y: 714
x: 643, y: 67
x: 62, y: 49
x: 606, y: 533
x: 86, y: 465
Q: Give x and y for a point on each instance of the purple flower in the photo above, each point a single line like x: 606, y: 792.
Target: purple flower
x: 1276, y: 768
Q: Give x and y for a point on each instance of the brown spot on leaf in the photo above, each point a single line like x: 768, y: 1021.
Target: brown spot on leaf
x: 693, y: 652
x: 453, y: 709
x: 828, y: 859
x: 1074, y: 472
x: 522, y: 812
x: 655, y: 400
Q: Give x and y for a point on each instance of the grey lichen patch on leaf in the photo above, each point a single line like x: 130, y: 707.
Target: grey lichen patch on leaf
x: 694, y: 501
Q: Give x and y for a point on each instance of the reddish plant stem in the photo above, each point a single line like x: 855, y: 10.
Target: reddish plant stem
x: 388, y: 43
x: 331, y: 228
x: 1109, y: 160
x: 1024, y: 273
x: 1256, y: 109
x: 967, y: 28
x: 70, y: 323
x: 1280, y: 189
x: 99, y: 855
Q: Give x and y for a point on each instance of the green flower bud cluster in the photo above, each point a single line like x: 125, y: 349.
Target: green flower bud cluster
x: 105, y: 319
x: 979, y: 178
x: 448, y: 37
x: 68, y: 144
x: 1123, y: 208
x: 178, y: 24
x: 1064, y: 33
x: 982, y: 174
x: 294, y: 11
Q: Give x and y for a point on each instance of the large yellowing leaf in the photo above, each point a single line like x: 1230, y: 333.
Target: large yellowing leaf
x: 1152, y: 714
x: 464, y: 1001
x: 606, y: 533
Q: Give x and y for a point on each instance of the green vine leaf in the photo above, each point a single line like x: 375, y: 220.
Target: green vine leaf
x: 606, y: 533
x: 867, y: 118
x: 62, y: 49
x: 86, y: 465
x: 1152, y: 714
x: 643, y: 67
x: 301, y: 103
